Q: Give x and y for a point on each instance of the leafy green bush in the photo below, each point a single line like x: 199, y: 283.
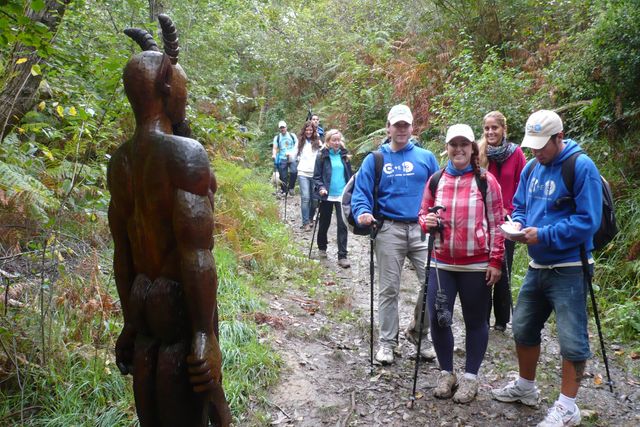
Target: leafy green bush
x: 476, y: 87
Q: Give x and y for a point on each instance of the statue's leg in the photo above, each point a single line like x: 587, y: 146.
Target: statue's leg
x: 177, y: 403
x: 145, y: 355
x: 144, y: 368
x: 166, y: 315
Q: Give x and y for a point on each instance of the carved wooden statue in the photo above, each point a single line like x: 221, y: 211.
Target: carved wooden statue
x: 161, y: 219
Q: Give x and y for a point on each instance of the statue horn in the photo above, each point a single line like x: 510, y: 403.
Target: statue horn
x: 169, y: 37
x: 143, y: 38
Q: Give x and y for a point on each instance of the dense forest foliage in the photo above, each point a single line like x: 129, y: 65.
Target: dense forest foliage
x: 251, y: 63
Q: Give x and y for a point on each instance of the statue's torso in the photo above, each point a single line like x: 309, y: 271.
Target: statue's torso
x: 147, y: 174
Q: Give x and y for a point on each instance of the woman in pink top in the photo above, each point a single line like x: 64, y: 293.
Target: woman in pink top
x: 505, y: 161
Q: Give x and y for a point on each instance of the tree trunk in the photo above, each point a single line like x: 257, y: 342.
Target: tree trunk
x: 155, y: 8
x: 19, y: 89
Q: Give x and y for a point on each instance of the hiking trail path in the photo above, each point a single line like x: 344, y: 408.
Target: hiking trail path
x: 326, y: 380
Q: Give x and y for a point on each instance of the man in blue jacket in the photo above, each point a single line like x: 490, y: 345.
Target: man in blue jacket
x: 555, y: 222
x: 406, y: 169
x: 284, y: 156
x: 315, y: 120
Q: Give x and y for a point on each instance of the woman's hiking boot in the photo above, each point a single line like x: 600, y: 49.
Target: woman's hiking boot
x: 467, y: 390
x: 447, y: 383
x: 344, y: 263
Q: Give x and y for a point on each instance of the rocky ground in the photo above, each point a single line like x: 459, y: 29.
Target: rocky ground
x: 323, y: 338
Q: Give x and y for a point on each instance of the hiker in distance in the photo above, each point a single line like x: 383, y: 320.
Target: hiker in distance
x: 555, y: 222
x: 405, y: 171
x: 315, y: 120
x: 505, y: 160
x: 331, y: 173
x: 284, y: 156
x: 308, y: 147
x: 468, y: 257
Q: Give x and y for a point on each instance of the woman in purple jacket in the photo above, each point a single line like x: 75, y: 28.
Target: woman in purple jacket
x: 505, y: 160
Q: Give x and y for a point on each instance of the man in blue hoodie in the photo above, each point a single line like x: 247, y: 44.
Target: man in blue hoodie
x: 406, y: 169
x: 555, y: 223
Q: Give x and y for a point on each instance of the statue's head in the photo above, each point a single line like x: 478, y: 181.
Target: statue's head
x: 153, y: 80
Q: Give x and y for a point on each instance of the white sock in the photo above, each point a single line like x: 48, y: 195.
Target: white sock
x: 470, y: 376
x: 525, y: 384
x: 567, y: 402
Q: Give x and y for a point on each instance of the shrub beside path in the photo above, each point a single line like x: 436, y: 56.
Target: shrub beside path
x: 322, y: 335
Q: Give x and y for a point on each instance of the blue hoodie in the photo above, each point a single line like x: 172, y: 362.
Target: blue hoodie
x: 404, y: 175
x: 561, y: 229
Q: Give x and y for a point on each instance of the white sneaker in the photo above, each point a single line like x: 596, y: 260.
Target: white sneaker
x: 559, y: 416
x: 512, y: 393
x: 385, y: 355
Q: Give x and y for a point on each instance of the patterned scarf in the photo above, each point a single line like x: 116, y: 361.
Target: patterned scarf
x: 502, y: 152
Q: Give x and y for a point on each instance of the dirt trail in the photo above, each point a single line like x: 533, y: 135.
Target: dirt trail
x: 327, y: 379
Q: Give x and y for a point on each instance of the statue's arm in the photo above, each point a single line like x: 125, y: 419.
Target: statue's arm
x: 193, y: 226
x: 124, y: 275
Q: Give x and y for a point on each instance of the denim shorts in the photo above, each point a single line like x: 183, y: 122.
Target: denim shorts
x: 564, y: 291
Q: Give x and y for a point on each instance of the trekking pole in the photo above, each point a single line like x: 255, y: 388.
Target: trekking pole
x: 587, y: 277
x: 372, y: 238
x: 595, y: 314
x: 423, y: 310
x: 277, y: 178
x: 315, y: 225
x: 286, y: 193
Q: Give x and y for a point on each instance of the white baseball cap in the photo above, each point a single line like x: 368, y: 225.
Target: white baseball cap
x: 541, y: 125
x: 282, y: 124
x: 462, y: 130
x: 399, y: 113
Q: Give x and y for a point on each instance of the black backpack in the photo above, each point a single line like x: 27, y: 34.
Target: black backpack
x: 608, y: 227
x: 345, y: 199
x: 481, y: 183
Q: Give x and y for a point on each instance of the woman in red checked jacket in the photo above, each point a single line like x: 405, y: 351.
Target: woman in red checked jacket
x: 468, y: 258
x: 505, y: 160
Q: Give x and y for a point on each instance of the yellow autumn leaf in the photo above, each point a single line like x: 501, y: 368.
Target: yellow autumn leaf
x: 20, y: 130
x: 41, y: 105
x: 619, y: 352
x: 35, y: 70
x: 60, y: 110
x: 597, y: 379
x: 72, y: 111
x: 60, y: 257
x: 47, y: 154
x: 21, y: 61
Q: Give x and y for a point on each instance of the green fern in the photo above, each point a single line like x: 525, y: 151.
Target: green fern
x: 27, y: 190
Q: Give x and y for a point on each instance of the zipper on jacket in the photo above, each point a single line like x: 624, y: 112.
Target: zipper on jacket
x: 453, y: 215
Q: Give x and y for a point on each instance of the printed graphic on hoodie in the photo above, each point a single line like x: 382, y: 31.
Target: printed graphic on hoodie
x: 403, y: 169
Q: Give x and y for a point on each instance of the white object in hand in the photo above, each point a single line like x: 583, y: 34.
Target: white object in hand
x: 509, y: 230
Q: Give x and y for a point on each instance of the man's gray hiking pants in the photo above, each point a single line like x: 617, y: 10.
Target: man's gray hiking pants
x: 395, y: 241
